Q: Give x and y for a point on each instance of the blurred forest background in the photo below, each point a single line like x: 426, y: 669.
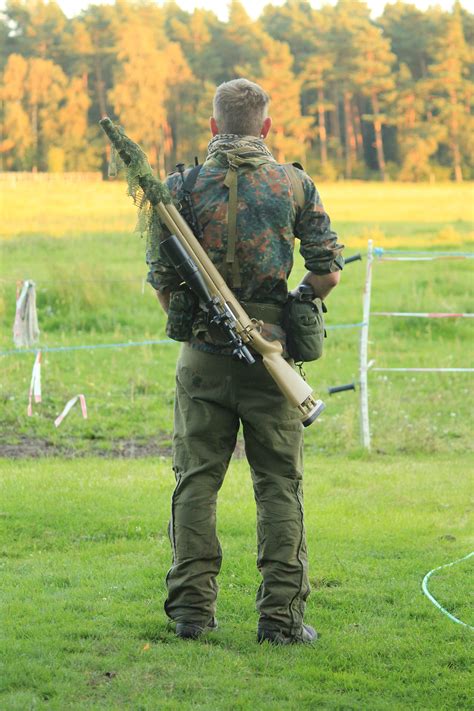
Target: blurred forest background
x: 352, y: 97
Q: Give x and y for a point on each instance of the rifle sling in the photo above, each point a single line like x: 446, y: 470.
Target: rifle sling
x: 296, y: 184
x: 190, y: 179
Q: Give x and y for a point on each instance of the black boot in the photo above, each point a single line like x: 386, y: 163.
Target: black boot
x: 307, y: 635
x: 193, y: 630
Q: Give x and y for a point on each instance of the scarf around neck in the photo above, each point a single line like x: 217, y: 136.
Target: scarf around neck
x: 224, y: 142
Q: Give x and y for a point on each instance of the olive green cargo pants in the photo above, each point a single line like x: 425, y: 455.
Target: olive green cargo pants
x: 213, y: 394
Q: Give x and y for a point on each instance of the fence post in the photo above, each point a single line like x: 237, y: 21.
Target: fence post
x: 363, y: 352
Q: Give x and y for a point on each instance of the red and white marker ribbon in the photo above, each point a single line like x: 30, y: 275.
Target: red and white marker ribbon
x: 35, y: 385
x: 69, y: 406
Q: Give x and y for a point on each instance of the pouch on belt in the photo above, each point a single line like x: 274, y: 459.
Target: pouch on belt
x: 181, y: 314
x: 303, y: 321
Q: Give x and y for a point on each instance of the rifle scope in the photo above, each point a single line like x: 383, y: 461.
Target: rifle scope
x: 219, y: 316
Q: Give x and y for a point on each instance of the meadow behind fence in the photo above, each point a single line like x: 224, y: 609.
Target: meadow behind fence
x: 77, y: 244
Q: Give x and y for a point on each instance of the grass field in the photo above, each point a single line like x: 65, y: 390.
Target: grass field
x: 84, y: 549
x: 84, y: 555
x: 78, y: 246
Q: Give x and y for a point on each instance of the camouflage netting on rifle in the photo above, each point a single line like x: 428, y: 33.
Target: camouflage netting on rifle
x: 144, y: 188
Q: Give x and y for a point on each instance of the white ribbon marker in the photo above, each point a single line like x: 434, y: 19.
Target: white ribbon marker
x: 35, y: 385
x: 25, y: 328
x: 69, y: 406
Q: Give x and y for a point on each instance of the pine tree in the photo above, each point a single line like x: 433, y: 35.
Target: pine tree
x: 5, y: 50
x: 45, y: 115
x: 451, y: 88
x: 190, y: 105
x: 347, y: 22
x: 417, y: 138
x: 305, y: 31
x: 374, y: 79
x: 314, y: 82
x: 102, y: 23
x: 17, y: 138
x: 151, y: 70
x: 37, y: 29
x: 78, y: 148
x: 290, y: 130
x: 409, y: 31
x: 196, y: 35
x: 295, y: 23
x: 240, y: 44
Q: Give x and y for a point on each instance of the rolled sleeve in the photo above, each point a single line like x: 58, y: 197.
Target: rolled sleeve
x: 319, y: 243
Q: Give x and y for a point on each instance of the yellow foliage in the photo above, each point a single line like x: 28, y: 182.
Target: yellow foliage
x: 55, y: 160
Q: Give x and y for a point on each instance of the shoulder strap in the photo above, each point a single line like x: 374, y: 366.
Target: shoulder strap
x: 296, y: 183
x: 232, y: 266
x: 187, y: 187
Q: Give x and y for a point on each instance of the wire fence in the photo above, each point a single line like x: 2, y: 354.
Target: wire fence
x: 380, y: 254
x: 373, y: 254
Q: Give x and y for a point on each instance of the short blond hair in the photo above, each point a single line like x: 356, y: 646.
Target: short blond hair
x: 240, y: 107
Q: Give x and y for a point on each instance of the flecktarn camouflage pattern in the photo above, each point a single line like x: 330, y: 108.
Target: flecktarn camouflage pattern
x: 268, y: 220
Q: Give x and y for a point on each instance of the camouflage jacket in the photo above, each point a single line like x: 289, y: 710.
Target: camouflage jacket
x: 268, y: 220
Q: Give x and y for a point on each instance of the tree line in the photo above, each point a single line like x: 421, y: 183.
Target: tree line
x: 352, y: 97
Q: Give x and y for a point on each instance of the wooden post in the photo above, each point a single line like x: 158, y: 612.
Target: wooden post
x: 363, y: 352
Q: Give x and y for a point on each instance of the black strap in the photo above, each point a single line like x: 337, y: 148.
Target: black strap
x: 190, y: 179
x: 187, y: 187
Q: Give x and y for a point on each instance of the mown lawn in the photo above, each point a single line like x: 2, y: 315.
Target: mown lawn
x: 84, y: 555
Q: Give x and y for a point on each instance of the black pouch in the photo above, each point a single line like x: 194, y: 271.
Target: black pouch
x: 181, y: 314
x: 303, y: 322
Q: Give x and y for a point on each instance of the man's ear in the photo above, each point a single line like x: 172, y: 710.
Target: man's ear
x: 267, y: 124
x: 213, y: 125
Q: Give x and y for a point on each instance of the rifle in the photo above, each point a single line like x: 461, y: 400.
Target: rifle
x: 195, y: 267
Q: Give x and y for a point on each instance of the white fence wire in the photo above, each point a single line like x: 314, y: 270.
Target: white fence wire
x: 364, y: 364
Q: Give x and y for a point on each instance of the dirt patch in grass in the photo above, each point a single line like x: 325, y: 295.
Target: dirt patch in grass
x: 36, y: 447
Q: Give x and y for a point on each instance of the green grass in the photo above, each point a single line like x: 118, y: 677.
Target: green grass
x: 89, y: 266
x: 84, y: 555
x: 130, y: 391
x: 84, y: 549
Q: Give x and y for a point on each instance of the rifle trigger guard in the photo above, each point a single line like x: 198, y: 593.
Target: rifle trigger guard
x: 255, y: 325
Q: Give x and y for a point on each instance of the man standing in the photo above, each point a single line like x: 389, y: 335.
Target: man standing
x: 249, y: 209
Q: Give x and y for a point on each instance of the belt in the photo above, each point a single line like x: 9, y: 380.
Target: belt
x: 268, y: 313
